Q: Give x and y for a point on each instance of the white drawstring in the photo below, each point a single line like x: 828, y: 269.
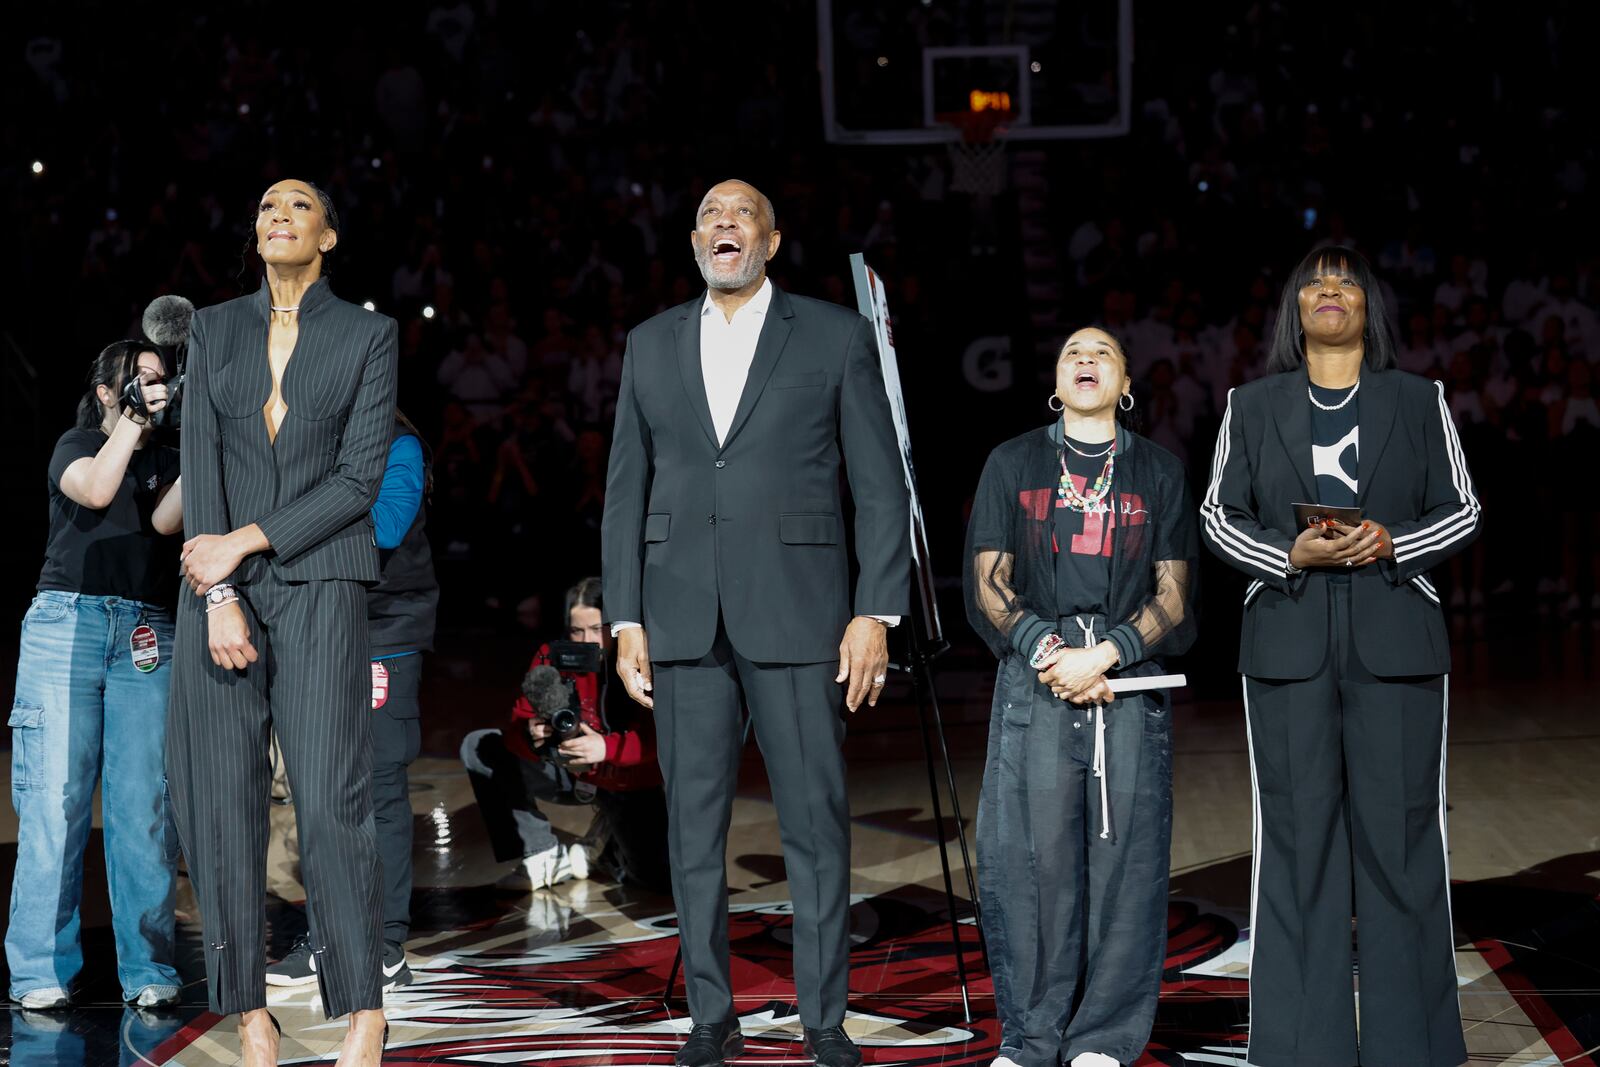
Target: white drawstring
x: 1100, y: 770
x: 1099, y: 763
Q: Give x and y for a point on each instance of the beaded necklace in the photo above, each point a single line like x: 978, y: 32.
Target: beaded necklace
x: 1076, y: 501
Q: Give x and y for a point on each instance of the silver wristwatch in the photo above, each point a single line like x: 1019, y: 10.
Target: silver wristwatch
x: 219, y: 594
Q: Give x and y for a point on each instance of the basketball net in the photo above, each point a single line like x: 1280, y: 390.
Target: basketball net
x: 978, y: 160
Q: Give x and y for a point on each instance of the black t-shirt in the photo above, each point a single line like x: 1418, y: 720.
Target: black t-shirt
x: 115, y: 551
x: 1083, y: 542
x: 1335, y: 447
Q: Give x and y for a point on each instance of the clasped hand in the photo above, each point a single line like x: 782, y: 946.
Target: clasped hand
x: 1079, y: 674
x: 208, y: 559
x: 1336, y: 545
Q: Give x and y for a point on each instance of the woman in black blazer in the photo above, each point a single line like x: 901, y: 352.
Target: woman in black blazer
x: 288, y: 407
x: 1344, y: 656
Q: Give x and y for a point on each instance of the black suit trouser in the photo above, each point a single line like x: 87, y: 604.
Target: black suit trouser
x: 1350, y: 820
x: 396, y: 740
x: 799, y: 725
x: 312, y: 685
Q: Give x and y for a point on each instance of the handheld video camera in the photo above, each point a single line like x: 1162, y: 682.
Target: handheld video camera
x: 554, y: 699
x: 166, y: 324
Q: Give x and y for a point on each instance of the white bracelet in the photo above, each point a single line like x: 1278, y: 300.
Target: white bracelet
x: 221, y: 604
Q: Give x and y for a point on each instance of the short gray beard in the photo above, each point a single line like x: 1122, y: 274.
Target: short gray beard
x: 749, y: 272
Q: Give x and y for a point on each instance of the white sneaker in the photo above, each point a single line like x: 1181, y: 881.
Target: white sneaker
x: 1004, y: 1061
x: 1094, y: 1059
x: 552, y: 865
x: 578, y: 861
x: 156, y: 996
x: 44, y: 999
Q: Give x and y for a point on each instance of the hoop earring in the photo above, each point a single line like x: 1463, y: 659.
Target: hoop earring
x: 1055, y: 403
x: 1129, y: 405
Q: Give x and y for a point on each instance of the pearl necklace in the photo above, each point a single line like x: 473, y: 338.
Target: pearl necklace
x: 275, y: 307
x: 1354, y: 389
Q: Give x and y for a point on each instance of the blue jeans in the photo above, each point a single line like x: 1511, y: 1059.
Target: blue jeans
x: 84, y: 714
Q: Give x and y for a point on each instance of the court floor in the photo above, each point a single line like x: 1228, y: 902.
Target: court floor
x: 575, y: 975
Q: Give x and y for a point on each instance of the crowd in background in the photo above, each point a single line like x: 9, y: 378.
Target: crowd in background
x: 517, y: 184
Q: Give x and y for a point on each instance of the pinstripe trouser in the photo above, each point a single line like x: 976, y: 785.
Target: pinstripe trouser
x: 312, y: 684
x: 1348, y: 773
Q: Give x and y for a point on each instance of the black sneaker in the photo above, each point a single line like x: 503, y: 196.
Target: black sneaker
x: 299, y: 967
x: 395, y: 971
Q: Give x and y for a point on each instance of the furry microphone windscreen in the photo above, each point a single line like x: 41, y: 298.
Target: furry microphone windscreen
x: 166, y: 320
x: 545, y: 689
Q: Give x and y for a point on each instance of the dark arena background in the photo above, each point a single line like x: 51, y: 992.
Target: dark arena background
x: 517, y: 182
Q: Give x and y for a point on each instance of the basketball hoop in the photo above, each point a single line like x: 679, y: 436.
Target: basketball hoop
x: 978, y: 159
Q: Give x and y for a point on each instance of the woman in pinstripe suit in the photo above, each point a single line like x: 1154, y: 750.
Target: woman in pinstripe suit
x: 1344, y: 655
x: 289, y: 403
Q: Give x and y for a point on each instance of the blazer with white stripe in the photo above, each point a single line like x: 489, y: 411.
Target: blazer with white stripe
x: 1412, y: 478
x: 310, y: 490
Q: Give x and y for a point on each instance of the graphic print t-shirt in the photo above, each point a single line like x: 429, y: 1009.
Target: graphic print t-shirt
x: 1083, y: 541
x: 1335, y: 447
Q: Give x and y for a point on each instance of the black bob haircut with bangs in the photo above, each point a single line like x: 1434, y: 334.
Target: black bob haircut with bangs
x: 1287, y: 349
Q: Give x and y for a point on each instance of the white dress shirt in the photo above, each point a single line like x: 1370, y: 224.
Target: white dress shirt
x: 727, y: 348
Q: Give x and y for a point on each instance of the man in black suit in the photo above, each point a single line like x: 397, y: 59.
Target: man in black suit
x: 726, y: 581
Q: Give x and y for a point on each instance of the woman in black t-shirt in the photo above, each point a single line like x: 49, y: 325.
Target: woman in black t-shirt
x: 91, y: 698
x: 1080, y: 565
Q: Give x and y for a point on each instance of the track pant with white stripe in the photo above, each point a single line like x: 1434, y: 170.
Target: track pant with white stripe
x: 1348, y: 772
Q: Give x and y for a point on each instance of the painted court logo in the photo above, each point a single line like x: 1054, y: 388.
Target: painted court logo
x: 565, y: 1005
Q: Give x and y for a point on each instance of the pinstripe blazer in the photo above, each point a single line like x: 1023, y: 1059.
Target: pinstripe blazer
x: 1412, y: 477
x: 311, y: 492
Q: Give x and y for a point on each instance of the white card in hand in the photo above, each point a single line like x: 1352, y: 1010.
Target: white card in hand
x: 1154, y: 681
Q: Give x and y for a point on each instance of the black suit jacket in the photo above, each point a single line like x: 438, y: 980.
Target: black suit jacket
x: 754, y: 528
x: 311, y: 492
x: 1412, y: 477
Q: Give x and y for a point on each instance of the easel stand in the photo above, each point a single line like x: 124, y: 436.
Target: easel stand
x: 919, y: 666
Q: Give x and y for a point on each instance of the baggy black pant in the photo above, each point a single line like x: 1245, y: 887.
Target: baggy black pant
x: 1348, y: 773
x: 1076, y: 923
x: 797, y: 712
x: 396, y: 740
x: 312, y: 684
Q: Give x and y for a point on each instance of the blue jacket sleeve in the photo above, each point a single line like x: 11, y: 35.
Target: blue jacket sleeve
x: 400, y: 496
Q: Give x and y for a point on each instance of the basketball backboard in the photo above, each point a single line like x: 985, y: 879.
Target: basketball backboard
x: 899, y: 71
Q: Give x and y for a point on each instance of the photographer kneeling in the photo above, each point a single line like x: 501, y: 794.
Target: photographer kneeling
x: 604, y: 755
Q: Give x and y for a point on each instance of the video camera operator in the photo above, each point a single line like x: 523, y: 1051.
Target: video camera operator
x: 91, y: 695
x: 607, y: 759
